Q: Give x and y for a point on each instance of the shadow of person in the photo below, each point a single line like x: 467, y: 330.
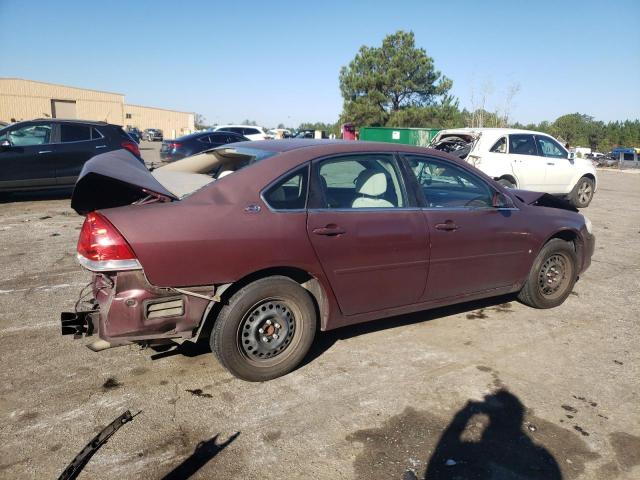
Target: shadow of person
x: 203, y: 452
x: 502, y: 451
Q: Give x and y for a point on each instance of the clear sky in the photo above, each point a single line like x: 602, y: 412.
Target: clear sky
x: 278, y: 61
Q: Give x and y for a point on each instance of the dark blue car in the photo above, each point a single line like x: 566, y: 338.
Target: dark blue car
x: 188, y: 145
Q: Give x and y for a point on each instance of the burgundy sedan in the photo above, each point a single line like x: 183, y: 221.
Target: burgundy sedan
x: 259, y: 244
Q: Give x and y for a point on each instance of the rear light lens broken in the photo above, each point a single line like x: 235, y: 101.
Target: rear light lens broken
x: 102, y: 247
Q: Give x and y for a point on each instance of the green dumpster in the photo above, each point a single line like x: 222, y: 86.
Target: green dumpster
x: 407, y: 136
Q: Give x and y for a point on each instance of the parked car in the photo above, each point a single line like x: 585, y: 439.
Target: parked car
x: 152, y: 135
x: 188, y: 145
x: 250, y: 131
x: 50, y: 153
x: 523, y: 159
x: 135, y: 134
x: 261, y: 243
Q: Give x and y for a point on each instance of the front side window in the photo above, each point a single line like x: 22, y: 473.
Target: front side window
x: 550, y: 148
x: 447, y: 186
x: 74, y: 133
x: 522, y: 144
x: 290, y: 193
x: 360, y: 181
x: 500, y: 146
x: 29, y: 135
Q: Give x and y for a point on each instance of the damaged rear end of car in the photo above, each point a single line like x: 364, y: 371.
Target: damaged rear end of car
x: 120, y: 305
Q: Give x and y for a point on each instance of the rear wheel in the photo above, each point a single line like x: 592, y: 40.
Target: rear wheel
x: 582, y: 193
x: 265, y: 330
x: 552, y: 275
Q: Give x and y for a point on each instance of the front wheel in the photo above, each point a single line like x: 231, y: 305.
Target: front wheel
x: 582, y: 193
x: 265, y: 330
x: 552, y: 276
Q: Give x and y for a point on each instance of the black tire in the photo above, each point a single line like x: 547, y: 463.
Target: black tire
x: 582, y: 193
x: 506, y: 183
x: 238, y: 334
x: 552, y: 276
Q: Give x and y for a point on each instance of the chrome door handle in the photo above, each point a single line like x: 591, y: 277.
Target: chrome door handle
x: 101, y: 146
x: 550, y: 163
x: 44, y: 151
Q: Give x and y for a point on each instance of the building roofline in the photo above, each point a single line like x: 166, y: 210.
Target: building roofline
x: 155, y: 108
x: 61, y: 85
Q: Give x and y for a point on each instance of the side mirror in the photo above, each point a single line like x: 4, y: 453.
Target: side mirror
x: 5, y: 145
x: 500, y: 200
x: 571, y: 156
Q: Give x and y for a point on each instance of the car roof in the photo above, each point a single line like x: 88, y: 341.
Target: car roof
x: 68, y: 120
x: 490, y: 130
x: 221, y: 127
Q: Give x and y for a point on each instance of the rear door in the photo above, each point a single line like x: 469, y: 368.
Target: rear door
x: 372, y: 244
x: 78, y: 143
x: 29, y: 159
x: 529, y: 168
x: 559, y: 169
x: 474, y: 246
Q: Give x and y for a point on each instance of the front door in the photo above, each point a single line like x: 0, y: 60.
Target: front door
x: 560, y: 170
x: 475, y: 247
x: 528, y: 167
x: 372, y: 245
x: 29, y: 158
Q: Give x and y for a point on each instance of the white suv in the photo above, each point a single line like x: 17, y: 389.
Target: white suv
x: 250, y: 131
x: 523, y: 159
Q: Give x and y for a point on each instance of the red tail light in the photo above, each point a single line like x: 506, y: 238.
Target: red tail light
x: 173, y: 145
x: 131, y: 146
x: 102, y: 247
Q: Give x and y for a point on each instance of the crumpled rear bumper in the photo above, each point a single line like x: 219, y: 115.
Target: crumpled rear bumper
x: 125, y: 309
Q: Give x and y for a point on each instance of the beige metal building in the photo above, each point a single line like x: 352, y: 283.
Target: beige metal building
x: 27, y: 99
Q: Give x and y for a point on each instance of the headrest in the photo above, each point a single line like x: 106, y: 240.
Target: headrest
x: 371, y: 183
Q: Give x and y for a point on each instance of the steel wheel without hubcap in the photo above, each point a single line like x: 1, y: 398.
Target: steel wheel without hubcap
x: 552, y: 278
x: 266, y: 330
x: 552, y: 275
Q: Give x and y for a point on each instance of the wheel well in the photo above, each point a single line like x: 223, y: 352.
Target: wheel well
x: 305, y: 279
x: 508, y: 177
x: 592, y: 177
x: 569, y: 236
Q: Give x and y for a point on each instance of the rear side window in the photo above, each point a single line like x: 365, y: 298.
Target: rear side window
x: 74, y: 133
x: 219, y: 138
x: 500, y: 146
x: 550, y: 148
x: 95, y: 134
x: 360, y: 181
x: 522, y: 145
x: 205, y: 139
x: 290, y: 193
x: 250, y: 131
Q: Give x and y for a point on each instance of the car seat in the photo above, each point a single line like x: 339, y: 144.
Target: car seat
x: 371, y: 186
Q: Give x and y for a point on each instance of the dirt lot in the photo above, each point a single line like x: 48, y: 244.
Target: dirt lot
x: 487, y: 386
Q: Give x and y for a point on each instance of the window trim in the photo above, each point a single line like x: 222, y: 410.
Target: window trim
x: 291, y: 172
x: 313, y: 197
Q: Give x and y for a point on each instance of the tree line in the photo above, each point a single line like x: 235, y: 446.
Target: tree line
x: 397, y: 85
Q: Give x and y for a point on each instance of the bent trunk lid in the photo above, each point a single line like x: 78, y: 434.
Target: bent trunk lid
x: 114, y: 179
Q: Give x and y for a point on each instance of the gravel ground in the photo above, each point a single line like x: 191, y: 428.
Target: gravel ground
x: 493, y: 385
